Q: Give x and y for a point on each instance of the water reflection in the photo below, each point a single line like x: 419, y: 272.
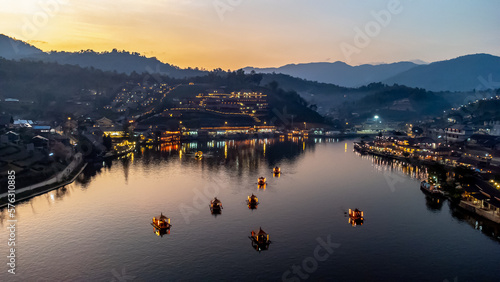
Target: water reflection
x: 160, y: 232
x: 91, y: 170
x: 486, y: 227
x: 241, y: 156
x: 162, y: 181
x: 384, y: 165
x: 433, y: 203
x: 260, y: 247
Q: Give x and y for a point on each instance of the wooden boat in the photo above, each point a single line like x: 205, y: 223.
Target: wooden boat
x: 161, y: 232
x: 261, y: 181
x: 260, y: 240
x: 121, y: 149
x: 215, y: 205
x: 161, y: 222
x: 356, y: 217
x: 252, y: 202
x: 431, y: 190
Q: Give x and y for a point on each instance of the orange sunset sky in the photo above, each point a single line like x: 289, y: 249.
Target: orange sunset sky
x: 260, y: 33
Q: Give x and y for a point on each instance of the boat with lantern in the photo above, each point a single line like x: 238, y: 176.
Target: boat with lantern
x: 356, y: 217
x: 198, y: 155
x: 260, y: 240
x: 161, y: 232
x: 276, y: 170
x: 252, y: 202
x: 431, y: 189
x: 261, y: 181
x: 161, y: 222
x: 215, y: 206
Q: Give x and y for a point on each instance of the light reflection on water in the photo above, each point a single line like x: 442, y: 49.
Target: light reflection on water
x: 100, y: 225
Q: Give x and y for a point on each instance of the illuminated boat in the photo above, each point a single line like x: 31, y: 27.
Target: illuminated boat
x: 121, y: 149
x: 260, y: 240
x: 161, y: 222
x: 431, y: 189
x: 215, y: 205
x: 198, y: 155
x: 252, y: 202
x: 356, y: 217
x: 261, y: 181
x: 276, y: 170
x: 161, y: 232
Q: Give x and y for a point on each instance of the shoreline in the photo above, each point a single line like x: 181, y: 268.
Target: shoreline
x: 461, y: 204
x: 44, y: 189
x: 26, y: 195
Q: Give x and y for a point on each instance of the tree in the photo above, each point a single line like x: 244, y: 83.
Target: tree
x: 273, y: 85
x: 107, y: 142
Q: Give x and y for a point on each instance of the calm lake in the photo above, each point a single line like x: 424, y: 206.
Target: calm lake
x: 98, y: 228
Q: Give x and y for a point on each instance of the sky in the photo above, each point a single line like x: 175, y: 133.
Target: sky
x: 232, y: 34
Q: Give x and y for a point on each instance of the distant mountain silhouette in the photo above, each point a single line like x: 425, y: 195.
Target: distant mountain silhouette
x: 119, y: 61
x: 479, y: 71
x: 466, y: 73
x: 419, y: 62
x: 11, y: 48
x: 340, y: 73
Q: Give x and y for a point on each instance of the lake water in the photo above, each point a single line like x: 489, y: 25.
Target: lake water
x: 98, y: 228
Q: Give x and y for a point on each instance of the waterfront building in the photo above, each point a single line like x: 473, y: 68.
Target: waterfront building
x: 241, y: 102
x: 109, y: 128
x: 483, y: 200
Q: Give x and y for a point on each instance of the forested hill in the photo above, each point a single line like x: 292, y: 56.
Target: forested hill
x: 119, y: 61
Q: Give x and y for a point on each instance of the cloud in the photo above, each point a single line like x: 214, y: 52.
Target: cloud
x: 37, y: 42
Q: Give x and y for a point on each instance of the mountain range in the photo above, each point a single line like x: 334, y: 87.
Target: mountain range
x: 11, y: 48
x: 466, y: 73
x: 479, y: 72
x: 53, y: 89
x: 340, y: 73
x: 119, y: 61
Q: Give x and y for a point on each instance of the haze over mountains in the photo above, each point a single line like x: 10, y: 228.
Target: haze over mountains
x: 466, y: 73
x: 15, y: 49
x: 340, y: 73
x: 120, y: 61
x: 479, y: 71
